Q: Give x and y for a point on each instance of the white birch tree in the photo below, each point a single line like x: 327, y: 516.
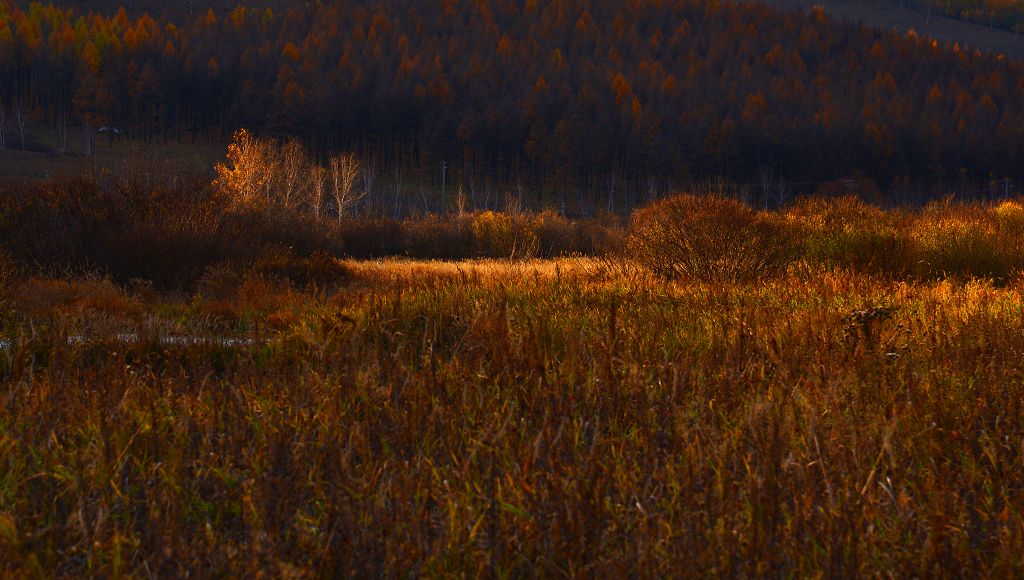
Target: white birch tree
x: 343, y: 171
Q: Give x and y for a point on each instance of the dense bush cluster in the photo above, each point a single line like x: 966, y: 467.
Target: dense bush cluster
x: 714, y: 238
x: 171, y: 229
x: 163, y: 228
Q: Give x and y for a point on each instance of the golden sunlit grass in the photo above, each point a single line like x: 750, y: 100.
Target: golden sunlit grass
x: 401, y: 272
x: 832, y: 389
x: 518, y: 418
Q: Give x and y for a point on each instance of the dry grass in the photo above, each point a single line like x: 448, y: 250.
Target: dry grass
x: 397, y: 273
x: 497, y: 418
x: 856, y: 412
x: 718, y: 239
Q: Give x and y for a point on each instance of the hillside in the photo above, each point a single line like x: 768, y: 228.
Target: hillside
x: 602, y: 104
x: 179, y: 11
x: 886, y: 16
x: 882, y: 14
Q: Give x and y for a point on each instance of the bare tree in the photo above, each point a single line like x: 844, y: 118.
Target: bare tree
x: 398, y: 190
x: 21, y: 119
x: 766, y: 179
x: 343, y: 170
x: 520, y: 190
x: 651, y: 186
x: 472, y: 191
x: 582, y: 207
x: 424, y: 198
x: 460, y: 200
x: 316, y: 187
x: 369, y: 175
x: 87, y: 137
x: 513, y: 204
x: 62, y: 129
x: 293, y: 165
x: 610, y: 208
x: 781, y: 194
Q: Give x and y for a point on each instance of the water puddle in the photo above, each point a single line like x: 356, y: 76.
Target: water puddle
x: 169, y: 339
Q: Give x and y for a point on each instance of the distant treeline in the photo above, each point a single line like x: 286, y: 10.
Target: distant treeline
x: 569, y: 95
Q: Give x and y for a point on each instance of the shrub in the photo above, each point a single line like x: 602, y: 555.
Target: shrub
x: 371, y: 238
x: 167, y: 231
x: 47, y: 298
x: 846, y: 232
x: 711, y: 238
x: 8, y: 272
x: 320, y: 269
x: 1010, y: 217
x: 955, y: 246
x: 501, y: 235
x: 556, y: 235
x: 438, y: 237
x: 131, y: 227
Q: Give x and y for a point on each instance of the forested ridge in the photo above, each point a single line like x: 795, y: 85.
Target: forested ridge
x: 560, y: 93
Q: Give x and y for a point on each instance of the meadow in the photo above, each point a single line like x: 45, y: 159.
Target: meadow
x: 830, y: 389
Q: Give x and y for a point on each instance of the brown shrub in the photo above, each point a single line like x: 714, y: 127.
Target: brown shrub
x: 437, y: 237
x: 48, y: 297
x: 319, y: 269
x: 710, y: 238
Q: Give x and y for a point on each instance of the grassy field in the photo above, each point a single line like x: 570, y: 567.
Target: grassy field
x: 558, y: 417
x: 830, y: 389
x: 41, y: 157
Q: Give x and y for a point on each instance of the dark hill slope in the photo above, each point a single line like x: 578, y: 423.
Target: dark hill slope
x: 884, y: 15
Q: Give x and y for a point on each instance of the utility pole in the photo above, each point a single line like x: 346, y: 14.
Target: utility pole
x: 444, y: 184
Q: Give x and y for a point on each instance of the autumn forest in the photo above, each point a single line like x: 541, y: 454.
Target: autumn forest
x: 551, y: 95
